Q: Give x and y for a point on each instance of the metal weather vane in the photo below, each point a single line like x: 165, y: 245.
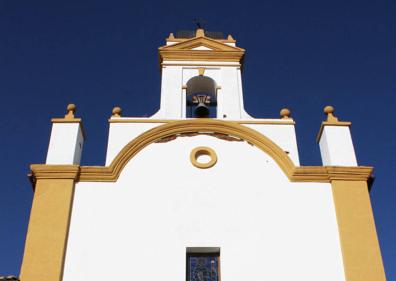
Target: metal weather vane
x: 199, y: 22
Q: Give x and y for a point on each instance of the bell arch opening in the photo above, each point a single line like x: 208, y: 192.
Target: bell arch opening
x: 201, y: 99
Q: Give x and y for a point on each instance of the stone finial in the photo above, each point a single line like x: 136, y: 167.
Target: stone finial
x: 200, y: 32
x: 171, y: 36
x: 230, y: 38
x: 285, y: 113
x: 71, y: 109
x: 117, y: 112
x: 329, y: 110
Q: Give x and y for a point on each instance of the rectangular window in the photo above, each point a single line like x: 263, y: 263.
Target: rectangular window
x: 203, y: 264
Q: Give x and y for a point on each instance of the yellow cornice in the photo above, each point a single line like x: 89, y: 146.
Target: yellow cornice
x: 112, y: 172
x: 66, y: 120
x: 201, y: 55
x: 295, y: 174
x: 330, y: 173
x: 201, y: 41
x: 183, y: 51
x: 55, y: 171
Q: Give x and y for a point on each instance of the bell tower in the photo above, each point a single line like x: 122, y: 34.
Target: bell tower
x: 201, y: 77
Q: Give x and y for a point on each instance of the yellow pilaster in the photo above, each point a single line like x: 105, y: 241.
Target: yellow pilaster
x: 49, y: 222
x: 360, y: 248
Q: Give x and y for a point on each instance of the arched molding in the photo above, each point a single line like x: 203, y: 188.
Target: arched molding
x: 113, y: 171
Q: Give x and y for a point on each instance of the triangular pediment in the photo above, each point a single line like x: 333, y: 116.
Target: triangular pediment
x: 201, y: 49
x: 201, y: 43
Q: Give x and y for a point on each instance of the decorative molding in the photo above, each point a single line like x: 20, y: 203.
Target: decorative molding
x: 112, y: 172
x: 195, y: 42
x: 183, y: 51
x: 203, y: 150
x: 312, y: 174
x: 330, y: 173
x: 40, y: 171
x: 66, y: 120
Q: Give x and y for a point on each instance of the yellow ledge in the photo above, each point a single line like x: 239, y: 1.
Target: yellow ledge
x: 111, y: 173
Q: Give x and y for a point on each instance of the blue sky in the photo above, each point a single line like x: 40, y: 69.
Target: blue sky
x: 300, y: 54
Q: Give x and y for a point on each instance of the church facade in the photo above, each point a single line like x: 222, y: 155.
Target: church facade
x: 201, y: 191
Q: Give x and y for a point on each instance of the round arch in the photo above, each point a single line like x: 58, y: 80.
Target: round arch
x: 201, y: 84
x: 113, y: 171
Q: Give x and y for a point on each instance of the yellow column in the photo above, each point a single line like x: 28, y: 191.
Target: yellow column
x: 359, y: 243
x: 46, y: 239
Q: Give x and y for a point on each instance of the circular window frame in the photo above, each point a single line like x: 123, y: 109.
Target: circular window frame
x: 203, y: 150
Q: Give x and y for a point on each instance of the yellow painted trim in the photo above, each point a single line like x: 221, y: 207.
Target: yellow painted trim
x: 297, y: 174
x: 359, y: 243
x: 55, y: 171
x: 201, y: 55
x: 192, y: 43
x: 112, y: 172
x: 289, y: 121
x: 314, y: 174
x: 183, y: 51
x: 66, y: 120
x: 330, y: 123
x: 203, y: 150
x: 46, y: 239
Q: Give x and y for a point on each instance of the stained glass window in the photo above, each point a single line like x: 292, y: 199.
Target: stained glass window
x: 203, y: 267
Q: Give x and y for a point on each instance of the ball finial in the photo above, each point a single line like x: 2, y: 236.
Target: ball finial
x: 71, y: 109
x: 328, y: 109
x: 117, y: 111
x: 285, y: 113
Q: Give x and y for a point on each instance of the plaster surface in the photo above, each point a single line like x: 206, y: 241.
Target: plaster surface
x: 140, y: 226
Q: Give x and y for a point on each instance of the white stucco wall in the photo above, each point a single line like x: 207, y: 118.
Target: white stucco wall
x: 66, y: 143
x: 120, y: 134
x: 138, y: 228
x: 336, y: 146
x: 283, y: 134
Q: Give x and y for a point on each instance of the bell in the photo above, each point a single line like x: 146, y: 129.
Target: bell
x: 201, y: 111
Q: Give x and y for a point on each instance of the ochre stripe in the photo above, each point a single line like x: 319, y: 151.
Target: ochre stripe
x: 48, y: 230
x: 360, y: 248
